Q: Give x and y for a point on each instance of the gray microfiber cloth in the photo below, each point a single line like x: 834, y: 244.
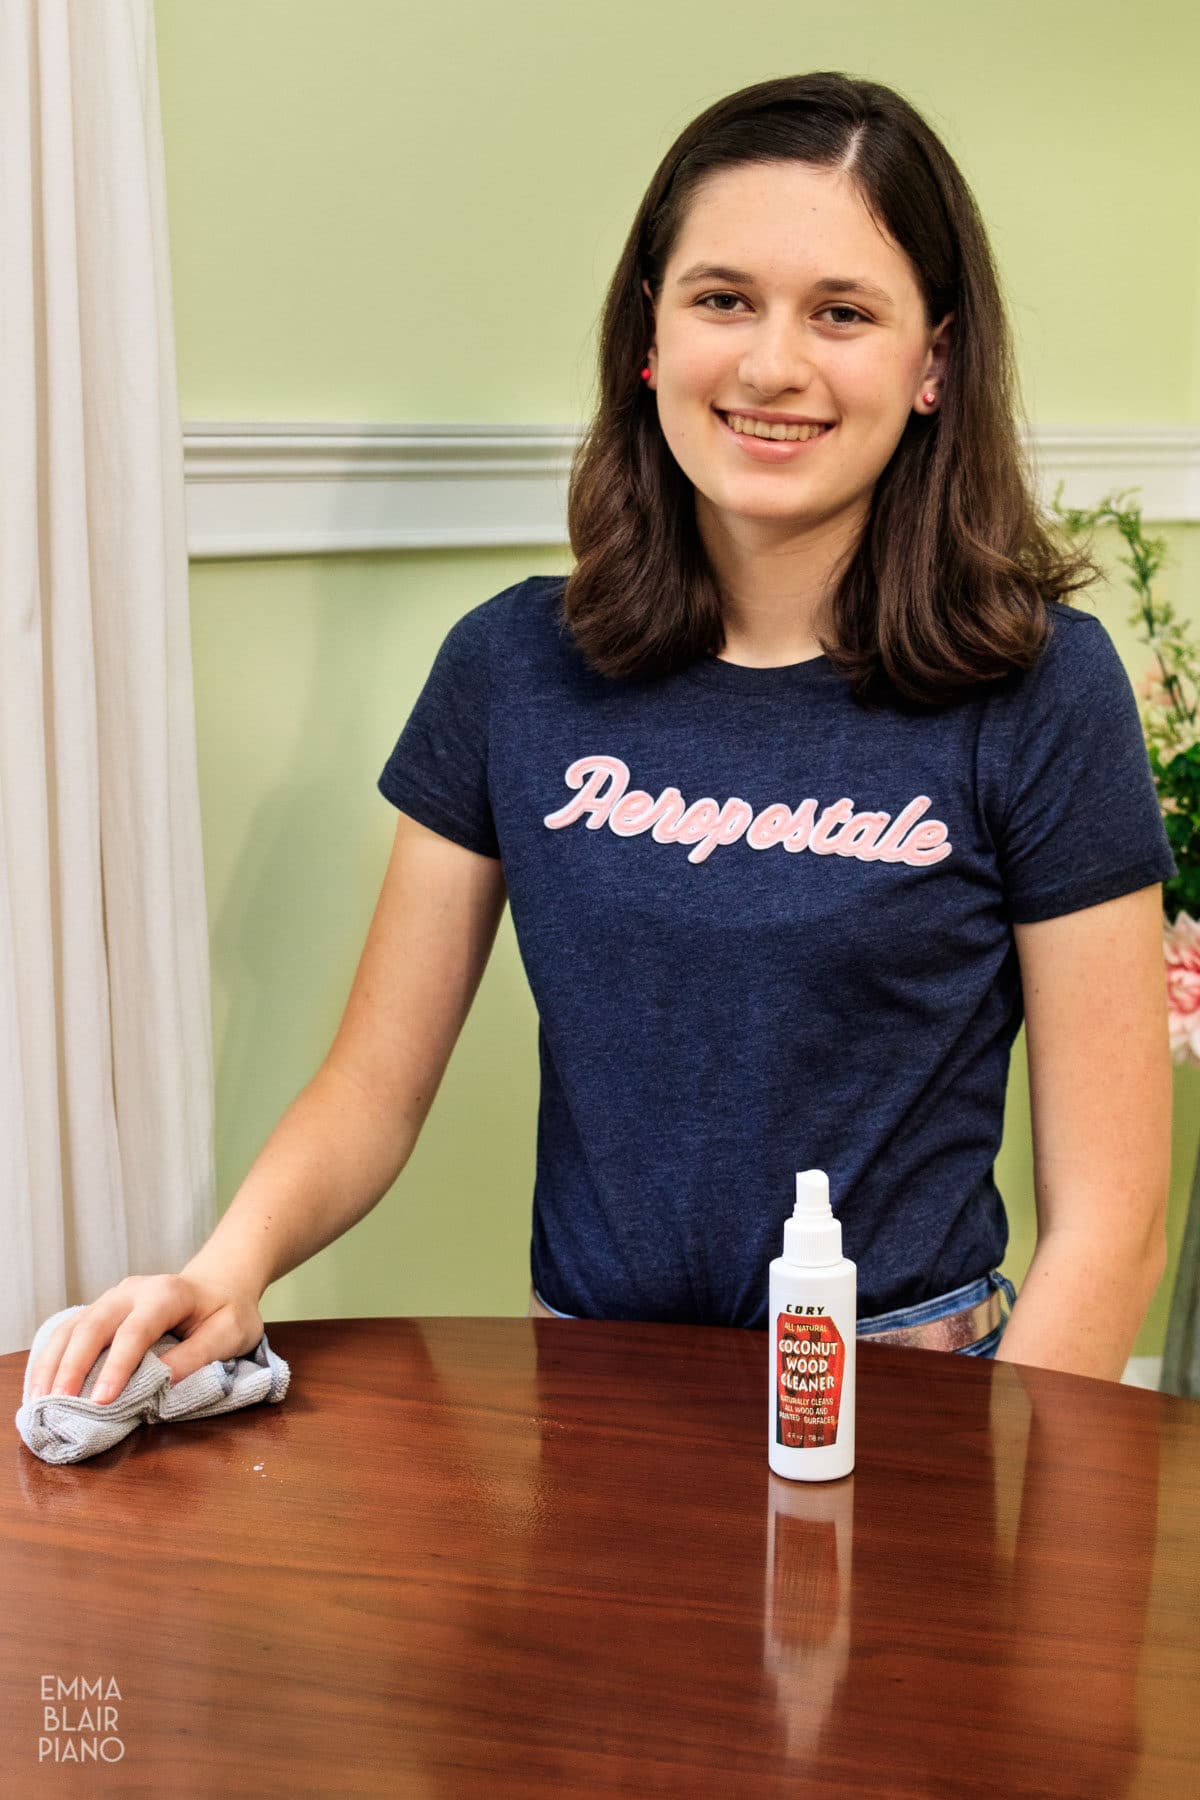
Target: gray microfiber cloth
x: 67, y: 1428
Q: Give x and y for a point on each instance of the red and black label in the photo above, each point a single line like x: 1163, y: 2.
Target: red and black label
x: 810, y: 1362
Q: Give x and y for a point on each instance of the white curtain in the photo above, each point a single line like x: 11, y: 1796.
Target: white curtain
x: 105, y: 1033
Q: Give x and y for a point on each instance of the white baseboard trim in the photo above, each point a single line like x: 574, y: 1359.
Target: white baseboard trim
x: 294, y: 489
x: 1142, y: 1371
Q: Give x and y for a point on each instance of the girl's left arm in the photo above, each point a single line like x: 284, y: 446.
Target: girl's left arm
x: 1100, y: 1089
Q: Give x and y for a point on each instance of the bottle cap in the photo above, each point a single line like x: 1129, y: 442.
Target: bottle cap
x: 812, y: 1236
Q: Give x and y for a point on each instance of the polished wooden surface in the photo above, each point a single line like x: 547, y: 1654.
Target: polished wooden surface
x: 511, y: 1557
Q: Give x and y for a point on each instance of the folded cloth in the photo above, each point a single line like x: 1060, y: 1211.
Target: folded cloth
x: 66, y: 1428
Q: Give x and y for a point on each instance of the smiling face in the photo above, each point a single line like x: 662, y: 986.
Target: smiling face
x: 782, y: 330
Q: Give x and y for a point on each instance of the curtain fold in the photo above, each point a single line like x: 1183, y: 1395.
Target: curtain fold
x: 106, y: 1084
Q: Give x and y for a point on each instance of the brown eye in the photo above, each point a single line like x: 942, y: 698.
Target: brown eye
x: 855, y: 318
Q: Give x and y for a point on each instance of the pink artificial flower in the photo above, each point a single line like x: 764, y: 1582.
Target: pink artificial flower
x: 1181, y: 946
x: 1149, y: 686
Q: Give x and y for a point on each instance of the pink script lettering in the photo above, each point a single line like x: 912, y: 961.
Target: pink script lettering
x: 604, y: 798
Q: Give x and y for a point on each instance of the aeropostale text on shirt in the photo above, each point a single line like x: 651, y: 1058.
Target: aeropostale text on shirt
x: 604, y: 798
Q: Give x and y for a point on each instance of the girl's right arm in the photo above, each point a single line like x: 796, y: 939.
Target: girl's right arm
x: 341, y: 1143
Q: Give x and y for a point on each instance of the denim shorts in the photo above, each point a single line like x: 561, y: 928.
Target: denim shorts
x: 954, y: 1310
x: 904, y: 1319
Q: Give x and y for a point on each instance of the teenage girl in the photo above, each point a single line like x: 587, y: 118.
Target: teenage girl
x: 805, y: 786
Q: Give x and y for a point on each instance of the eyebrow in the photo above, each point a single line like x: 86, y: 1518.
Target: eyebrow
x: 829, y: 284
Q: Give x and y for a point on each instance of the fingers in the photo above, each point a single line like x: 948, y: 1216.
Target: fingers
x: 143, y: 1326
x: 208, y: 1343
x: 44, y: 1373
x: 133, y: 1316
x: 115, y: 1319
x: 74, y: 1346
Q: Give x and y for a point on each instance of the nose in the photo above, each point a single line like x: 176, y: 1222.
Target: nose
x: 776, y: 361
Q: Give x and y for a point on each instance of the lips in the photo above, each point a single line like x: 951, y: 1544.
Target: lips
x: 825, y: 424
x: 771, y: 451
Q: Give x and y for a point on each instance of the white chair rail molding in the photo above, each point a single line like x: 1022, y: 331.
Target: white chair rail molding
x: 317, y: 489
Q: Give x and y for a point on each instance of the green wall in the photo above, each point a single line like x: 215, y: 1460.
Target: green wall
x: 410, y: 214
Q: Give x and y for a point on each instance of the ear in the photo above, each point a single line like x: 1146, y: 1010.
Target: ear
x: 939, y: 348
x: 651, y: 352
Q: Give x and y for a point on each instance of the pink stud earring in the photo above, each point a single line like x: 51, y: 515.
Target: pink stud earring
x: 646, y: 373
x: 929, y: 399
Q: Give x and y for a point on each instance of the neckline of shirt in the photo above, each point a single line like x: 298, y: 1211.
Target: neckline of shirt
x: 741, y: 678
x: 736, y: 678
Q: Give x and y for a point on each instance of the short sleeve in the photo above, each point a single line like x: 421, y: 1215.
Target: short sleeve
x: 438, y: 771
x: 1082, y: 821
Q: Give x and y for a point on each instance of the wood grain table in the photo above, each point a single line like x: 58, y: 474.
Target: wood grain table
x: 503, y: 1556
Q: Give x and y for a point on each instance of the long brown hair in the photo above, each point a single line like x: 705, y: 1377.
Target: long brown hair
x: 948, y: 584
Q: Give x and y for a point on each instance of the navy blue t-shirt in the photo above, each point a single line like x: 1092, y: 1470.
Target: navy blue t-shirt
x: 768, y: 930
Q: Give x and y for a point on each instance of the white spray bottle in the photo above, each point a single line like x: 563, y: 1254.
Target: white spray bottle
x: 812, y: 1318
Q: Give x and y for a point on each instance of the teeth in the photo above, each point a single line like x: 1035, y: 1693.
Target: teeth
x: 788, y: 433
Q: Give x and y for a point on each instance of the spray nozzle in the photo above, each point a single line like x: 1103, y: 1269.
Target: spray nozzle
x: 812, y: 1195
x: 812, y: 1235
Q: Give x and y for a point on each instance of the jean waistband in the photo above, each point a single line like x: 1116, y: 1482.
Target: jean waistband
x: 536, y: 1301
x: 948, y: 1321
